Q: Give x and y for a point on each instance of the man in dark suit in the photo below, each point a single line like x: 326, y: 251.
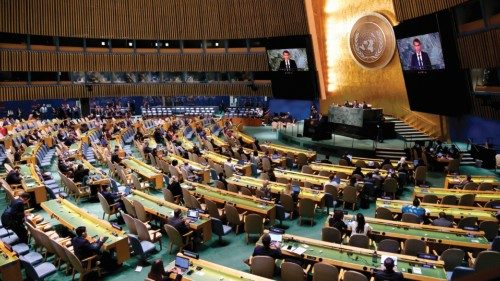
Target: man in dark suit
x: 287, y: 64
x: 13, y: 217
x: 419, y: 60
x: 14, y: 177
x: 175, y: 187
x: 82, y: 247
x: 267, y: 249
x: 178, y: 222
x: 388, y: 274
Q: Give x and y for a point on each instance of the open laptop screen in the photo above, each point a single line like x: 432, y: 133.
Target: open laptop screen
x: 193, y: 214
x: 181, y: 262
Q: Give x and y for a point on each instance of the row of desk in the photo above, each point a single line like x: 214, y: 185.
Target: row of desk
x: 480, y: 196
x: 452, y: 180
x: 146, y: 171
x: 433, y: 210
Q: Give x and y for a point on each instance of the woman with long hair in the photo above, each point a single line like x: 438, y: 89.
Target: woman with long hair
x: 359, y: 226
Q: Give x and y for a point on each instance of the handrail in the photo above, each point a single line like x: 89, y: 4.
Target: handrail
x: 419, y: 116
x: 435, y: 128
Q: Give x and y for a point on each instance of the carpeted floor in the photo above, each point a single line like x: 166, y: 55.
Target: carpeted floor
x: 236, y: 251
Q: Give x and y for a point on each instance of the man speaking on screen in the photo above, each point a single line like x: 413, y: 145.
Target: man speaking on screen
x: 287, y: 64
x: 420, y: 59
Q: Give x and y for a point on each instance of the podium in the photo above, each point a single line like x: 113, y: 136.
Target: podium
x: 318, y: 129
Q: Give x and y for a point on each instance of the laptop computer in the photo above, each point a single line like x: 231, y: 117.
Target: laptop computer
x: 182, y: 264
x: 193, y: 215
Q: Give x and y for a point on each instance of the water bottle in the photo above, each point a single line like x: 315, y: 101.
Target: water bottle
x: 374, y: 257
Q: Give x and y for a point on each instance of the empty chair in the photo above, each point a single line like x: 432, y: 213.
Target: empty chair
x: 83, y: 267
x: 495, y: 245
x: 232, y: 188
x: 484, y: 186
x: 130, y: 222
x: 175, y: 238
x: 383, y: 213
x: 351, y: 275
x: 253, y: 225
x: 487, y: 260
x: 390, y: 186
x: 281, y: 215
x: 467, y: 222
x: 449, y: 200
x: 39, y: 271
x: 461, y: 273
x: 359, y: 240
x: 453, y: 166
x: 106, y: 207
x: 350, y: 196
x: 245, y: 191
x: 219, y: 229
x: 287, y: 202
x: 411, y: 218
x: 307, y: 170
x: 430, y: 198
x: 292, y: 272
x: 470, y: 186
x: 420, y: 175
x: 467, y: 200
x: 213, y: 210
x: 141, y: 248
x: 140, y: 211
x: 495, y: 204
x: 233, y: 217
x: 169, y: 197
x: 388, y: 245
x: 331, y: 234
x: 413, y: 247
x: 147, y: 235
x: 262, y: 266
x: 452, y: 258
x: 325, y: 272
x: 129, y: 207
x: 490, y: 229
x: 306, y: 210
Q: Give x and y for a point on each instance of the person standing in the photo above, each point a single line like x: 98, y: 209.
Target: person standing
x: 13, y: 217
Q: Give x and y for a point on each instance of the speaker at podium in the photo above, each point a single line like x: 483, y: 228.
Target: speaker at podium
x: 318, y: 129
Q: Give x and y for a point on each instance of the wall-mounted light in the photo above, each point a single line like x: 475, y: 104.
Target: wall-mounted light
x: 130, y: 44
x: 103, y: 43
x: 216, y: 44
x: 166, y: 44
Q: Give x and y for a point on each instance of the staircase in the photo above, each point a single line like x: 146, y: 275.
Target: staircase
x: 407, y: 132
x: 467, y: 159
x: 393, y: 154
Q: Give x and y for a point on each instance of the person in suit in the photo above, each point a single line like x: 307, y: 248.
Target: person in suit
x: 13, y: 217
x: 14, y: 177
x: 178, y: 222
x: 388, y: 273
x: 82, y: 247
x: 287, y: 64
x: 442, y: 221
x: 267, y: 249
x: 420, y: 59
x: 175, y: 187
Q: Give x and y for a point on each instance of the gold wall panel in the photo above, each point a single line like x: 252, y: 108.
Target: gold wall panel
x: 24, y: 60
x: 408, y: 9
x: 346, y: 79
x: 34, y: 92
x: 154, y: 19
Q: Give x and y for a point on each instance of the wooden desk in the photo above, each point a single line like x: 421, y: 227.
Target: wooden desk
x: 431, y: 234
x: 75, y: 150
x: 213, y: 271
x: 10, y: 266
x: 146, y: 171
x: 240, y: 201
x: 246, y: 169
x: 163, y: 209
x: 201, y: 170
x: 29, y: 154
x: 481, y: 196
x: 246, y: 138
x: 433, y: 210
x: 379, y: 161
x: 450, y: 181
x: 98, y: 177
x: 358, y: 259
x: 32, y: 183
x: 342, y: 169
x: 276, y: 188
x: 311, y: 155
x: 72, y: 217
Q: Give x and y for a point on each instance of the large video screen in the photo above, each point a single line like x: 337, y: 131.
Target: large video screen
x: 291, y: 59
x: 421, y: 52
x: 291, y: 68
x: 431, y: 68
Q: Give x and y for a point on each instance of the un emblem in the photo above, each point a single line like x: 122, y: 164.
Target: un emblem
x: 372, y: 41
